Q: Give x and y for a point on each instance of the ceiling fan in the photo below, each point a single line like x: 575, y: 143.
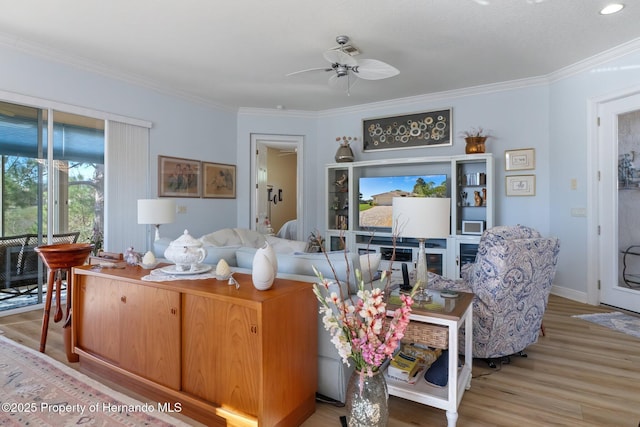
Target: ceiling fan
x: 347, y: 70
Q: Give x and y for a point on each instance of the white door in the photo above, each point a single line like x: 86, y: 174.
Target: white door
x: 259, y: 176
x: 619, y: 202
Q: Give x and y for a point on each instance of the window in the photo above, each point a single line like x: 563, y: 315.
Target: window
x: 46, y: 192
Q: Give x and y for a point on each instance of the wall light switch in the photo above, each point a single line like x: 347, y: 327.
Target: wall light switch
x: 578, y: 211
x: 182, y: 209
x: 574, y: 184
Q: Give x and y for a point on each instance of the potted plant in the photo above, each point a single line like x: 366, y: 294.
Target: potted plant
x: 475, y: 139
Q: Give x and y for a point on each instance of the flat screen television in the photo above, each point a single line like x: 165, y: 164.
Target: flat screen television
x: 376, y: 195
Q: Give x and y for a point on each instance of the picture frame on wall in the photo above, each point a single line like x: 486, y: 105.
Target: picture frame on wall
x: 522, y: 159
x: 520, y: 185
x: 219, y: 180
x: 427, y: 129
x: 178, y: 177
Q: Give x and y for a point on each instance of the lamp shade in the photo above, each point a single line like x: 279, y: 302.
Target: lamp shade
x: 422, y: 217
x: 156, y: 211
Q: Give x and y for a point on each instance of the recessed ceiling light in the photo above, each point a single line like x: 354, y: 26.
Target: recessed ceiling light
x: 611, y: 8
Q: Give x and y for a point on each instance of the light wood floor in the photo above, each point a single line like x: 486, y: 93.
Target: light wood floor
x: 579, y: 374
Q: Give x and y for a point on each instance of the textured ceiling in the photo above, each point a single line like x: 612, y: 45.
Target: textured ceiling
x: 237, y: 53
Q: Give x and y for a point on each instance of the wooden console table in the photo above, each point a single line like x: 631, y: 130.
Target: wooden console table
x: 224, y: 356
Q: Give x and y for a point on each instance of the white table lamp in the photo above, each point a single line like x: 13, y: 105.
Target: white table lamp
x: 156, y: 212
x: 422, y: 218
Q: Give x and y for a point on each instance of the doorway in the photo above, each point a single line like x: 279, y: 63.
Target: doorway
x: 276, y: 175
x: 618, y: 191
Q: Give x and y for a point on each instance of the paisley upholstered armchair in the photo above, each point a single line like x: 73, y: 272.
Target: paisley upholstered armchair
x: 511, y: 279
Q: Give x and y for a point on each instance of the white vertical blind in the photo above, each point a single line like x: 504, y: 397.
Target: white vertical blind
x: 127, y: 180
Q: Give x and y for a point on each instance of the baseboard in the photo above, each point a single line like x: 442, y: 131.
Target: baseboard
x: 568, y: 293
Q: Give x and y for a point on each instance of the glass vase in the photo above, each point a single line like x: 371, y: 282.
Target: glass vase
x: 367, y: 400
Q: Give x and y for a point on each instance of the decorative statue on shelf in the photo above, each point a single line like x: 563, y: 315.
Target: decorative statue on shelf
x: 336, y: 203
x: 484, y: 197
x: 477, y: 198
x: 342, y: 180
x: 463, y: 198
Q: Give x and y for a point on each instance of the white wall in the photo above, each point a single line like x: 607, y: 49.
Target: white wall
x: 568, y: 146
x: 549, y: 117
x: 276, y: 122
x: 517, y: 118
x: 181, y: 128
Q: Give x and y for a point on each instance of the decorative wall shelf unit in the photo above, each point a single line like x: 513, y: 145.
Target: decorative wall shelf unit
x: 466, y: 175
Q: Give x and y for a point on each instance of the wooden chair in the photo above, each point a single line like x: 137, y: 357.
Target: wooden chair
x: 12, y: 271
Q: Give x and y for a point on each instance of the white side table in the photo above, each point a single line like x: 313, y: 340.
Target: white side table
x: 455, y: 313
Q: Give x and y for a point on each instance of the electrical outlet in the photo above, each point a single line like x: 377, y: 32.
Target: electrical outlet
x: 578, y: 212
x: 574, y: 184
x: 182, y: 209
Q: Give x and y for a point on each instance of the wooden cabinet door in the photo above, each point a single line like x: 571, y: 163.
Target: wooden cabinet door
x: 150, y: 337
x: 221, y: 353
x: 133, y: 326
x: 97, y: 316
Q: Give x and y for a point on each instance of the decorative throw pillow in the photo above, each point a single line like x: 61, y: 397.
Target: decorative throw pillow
x: 223, y: 237
x: 285, y: 246
x: 438, y: 372
x: 370, y: 262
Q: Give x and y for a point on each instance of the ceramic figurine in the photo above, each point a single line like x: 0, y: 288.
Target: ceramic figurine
x: 477, y: 198
x: 131, y: 257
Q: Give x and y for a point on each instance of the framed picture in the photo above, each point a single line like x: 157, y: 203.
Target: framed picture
x: 517, y: 160
x: 219, y: 180
x: 430, y: 129
x: 178, y: 177
x: 521, y: 185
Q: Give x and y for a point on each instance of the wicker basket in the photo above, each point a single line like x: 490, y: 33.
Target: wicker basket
x: 427, y: 334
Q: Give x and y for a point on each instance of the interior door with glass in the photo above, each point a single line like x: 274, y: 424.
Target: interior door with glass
x: 619, y: 202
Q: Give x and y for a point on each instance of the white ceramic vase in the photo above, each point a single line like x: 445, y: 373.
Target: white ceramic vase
x: 264, y: 268
x: 271, y: 254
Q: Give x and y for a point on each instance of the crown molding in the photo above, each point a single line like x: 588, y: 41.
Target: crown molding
x: 55, y: 55
x: 588, y: 64
x: 438, y: 96
x: 274, y: 112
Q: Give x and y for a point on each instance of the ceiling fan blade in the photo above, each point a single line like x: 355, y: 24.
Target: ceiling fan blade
x: 343, y: 83
x: 309, y: 69
x: 339, y: 57
x: 372, y: 69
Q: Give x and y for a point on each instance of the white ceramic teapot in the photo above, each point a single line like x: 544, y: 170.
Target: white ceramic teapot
x: 185, y: 252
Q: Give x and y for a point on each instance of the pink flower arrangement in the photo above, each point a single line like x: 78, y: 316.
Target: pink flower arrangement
x: 361, y: 330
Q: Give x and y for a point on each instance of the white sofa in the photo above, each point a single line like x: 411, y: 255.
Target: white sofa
x: 237, y: 247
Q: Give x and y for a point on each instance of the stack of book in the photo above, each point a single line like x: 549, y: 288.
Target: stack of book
x: 404, y: 367
x: 410, y: 363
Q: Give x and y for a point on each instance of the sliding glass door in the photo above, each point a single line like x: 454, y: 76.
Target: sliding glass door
x: 52, y: 191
